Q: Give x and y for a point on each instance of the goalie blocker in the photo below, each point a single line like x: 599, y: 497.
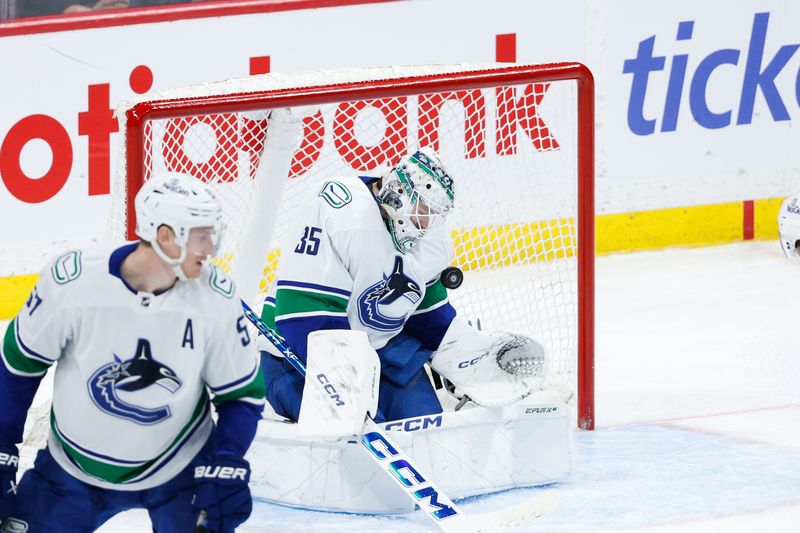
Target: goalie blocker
x: 477, y: 450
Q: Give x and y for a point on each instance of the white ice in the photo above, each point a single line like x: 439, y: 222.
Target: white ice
x: 698, y: 406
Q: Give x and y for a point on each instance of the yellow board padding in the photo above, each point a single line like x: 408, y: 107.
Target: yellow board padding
x: 663, y: 228
x: 270, y: 269
x: 517, y: 244
x: 224, y: 262
x: 514, y: 244
x: 14, y: 290
x: 766, y: 218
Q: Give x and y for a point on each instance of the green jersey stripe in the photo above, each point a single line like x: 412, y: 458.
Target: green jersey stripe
x: 16, y: 360
x: 291, y: 301
x: 305, y: 315
x: 120, y: 474
x: 268, y: 314
x: 254, y: 389
x: 434, y: 294
x: 430, y: 309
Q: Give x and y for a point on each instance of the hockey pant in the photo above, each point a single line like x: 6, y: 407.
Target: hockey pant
x: 285, y: 392
x: 51, y: 500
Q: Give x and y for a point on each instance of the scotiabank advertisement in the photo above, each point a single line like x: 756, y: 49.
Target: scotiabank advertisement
x: 59, y: 138
x: 695, y: 100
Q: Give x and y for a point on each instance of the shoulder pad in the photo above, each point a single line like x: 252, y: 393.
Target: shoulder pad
x: 67, y: 267
x: 220, y: 282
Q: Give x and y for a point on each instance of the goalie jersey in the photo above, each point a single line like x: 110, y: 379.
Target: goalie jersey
x: 135, y: 371
x: 339, y: 269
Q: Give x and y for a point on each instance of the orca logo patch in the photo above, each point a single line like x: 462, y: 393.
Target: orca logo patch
x: 110, y: 382
x: 385, y: 305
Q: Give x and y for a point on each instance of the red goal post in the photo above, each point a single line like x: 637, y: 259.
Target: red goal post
x: 500, y: 122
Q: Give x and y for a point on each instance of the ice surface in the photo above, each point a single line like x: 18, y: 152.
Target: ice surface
x: 698, y: 424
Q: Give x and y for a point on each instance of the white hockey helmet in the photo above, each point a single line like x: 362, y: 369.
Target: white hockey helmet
x: 789, y: 225
x: 417, y: 194
x: 181, y: 202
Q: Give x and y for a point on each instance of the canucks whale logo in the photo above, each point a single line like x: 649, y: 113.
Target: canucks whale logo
x: 385, y: 304
x: 132, y: 375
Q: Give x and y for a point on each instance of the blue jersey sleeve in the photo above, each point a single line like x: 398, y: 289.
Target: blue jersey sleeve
x: 433, y: 316
x: 19, y: 380
x: 296, y: 331
x: 237, y: 422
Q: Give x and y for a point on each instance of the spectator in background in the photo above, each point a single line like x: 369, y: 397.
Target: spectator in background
x: 148, y: 3
x: 8, y: 9
x: 11, y: 9
x: 95, y: 6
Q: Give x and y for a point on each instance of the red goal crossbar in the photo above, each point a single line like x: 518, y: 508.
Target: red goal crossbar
x: 138, y: 115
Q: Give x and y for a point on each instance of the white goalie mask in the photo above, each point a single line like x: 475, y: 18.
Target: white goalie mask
x: 184, y: 204
x: 416, y: 194
x: 789, y: 225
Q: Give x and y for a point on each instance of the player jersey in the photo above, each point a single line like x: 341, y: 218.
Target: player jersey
x: 131, y: 405
x: 340, y: 270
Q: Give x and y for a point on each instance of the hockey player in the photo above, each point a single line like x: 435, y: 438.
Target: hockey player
x: 789, y: 226
x: 367, y: 255
x: 147, y: 337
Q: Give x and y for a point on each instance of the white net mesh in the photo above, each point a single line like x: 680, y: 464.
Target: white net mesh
x: 512, y: 151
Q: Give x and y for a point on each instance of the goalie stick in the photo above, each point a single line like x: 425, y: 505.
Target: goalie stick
x: 415, y: 485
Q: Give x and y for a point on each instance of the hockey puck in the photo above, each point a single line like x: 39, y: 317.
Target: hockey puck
x: 452, y: 277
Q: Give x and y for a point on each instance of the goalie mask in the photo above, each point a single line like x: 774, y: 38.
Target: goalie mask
x: 188, y: 207
x: 789, y: 226
x: 416, y: 194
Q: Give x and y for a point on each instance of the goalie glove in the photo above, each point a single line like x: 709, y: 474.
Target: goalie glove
x: 221, y: 493
x: 9, y: 461
x: 492, y: 369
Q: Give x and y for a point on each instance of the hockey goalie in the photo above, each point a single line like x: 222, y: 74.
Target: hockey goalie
x: 360, y: 298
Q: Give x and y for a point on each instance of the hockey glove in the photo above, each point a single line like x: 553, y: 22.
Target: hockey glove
x: 221, y: 492
x: 9, y: 460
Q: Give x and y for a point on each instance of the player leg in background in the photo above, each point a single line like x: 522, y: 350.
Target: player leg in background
x: 170, y: 505
x: 415, y: 398
x: 51, y: 500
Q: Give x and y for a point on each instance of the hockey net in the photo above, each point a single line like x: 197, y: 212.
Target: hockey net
x: 518, y: 140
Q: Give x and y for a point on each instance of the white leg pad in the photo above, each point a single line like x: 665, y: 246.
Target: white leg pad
x: 342, y: 379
